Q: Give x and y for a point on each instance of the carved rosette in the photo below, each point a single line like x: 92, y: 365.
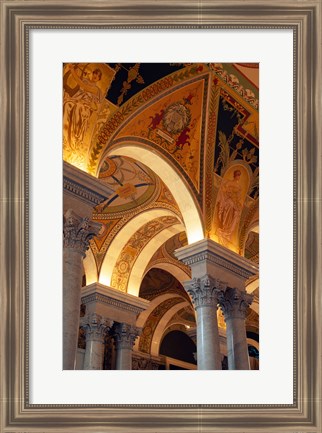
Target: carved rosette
x: 95, y: 327
x: 125, y: 335
x: 204, y: 291
x: 78, y: 231
x: 234, y: 303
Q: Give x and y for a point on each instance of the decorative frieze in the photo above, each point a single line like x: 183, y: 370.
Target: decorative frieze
x: 78, y: 231
x: 85, y: 194
x: 97, y: 297
x: 234, y: 303
x: 140, y: 362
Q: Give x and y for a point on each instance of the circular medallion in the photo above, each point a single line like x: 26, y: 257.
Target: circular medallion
x: 176, y: 117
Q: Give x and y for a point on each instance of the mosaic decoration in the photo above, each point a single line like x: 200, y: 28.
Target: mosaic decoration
x: 84, y: 107
x: 174, y: 124
x: 102, y: 138
x: 132, y: 182
x: 226, y: 72
x: 133, y: 248
x: 209, y: 193
x: 165, y: 254
x: 229, y: 205
x: 152, y: 322
x: 236, y: 173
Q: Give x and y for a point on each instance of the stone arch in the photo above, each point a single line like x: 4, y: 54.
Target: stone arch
x: 139, y: 267
x: 180, y: 191
x: 174, y: 270
x: 162, y: 325
x: 122, y: 238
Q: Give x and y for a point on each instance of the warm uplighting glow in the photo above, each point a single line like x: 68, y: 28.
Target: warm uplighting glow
x: 173, y: 181
x: 90, y: 267
x: 138, y: 269
x: 121, y: 239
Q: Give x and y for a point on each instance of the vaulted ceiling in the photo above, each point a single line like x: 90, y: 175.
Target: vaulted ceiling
x: 178, y: 146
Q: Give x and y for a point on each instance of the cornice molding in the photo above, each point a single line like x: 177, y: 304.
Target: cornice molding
x: 84, y: 186
x: 208, y: 250
x: 97, y: 292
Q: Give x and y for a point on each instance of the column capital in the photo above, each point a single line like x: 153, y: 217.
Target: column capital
x: 234, y: 303
x: 125, y: 335
x: 78, y: 231
x: 204, y: 291
x: 95, y: 327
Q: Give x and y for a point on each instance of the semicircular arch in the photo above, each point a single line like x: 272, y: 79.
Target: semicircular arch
x: 176, y: 271
x: 123, y: 236
x: 139, y: 267
x: 172, y: 179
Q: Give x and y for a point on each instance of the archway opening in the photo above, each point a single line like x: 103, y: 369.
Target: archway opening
x: 181, y: 193
x: 178, y: 345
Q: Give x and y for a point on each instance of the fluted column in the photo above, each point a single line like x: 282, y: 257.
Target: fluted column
x: 234, y: 303
x: 77, y: 234
x: 204, y: 295
x: 95, y: 327
x: 124, y: 337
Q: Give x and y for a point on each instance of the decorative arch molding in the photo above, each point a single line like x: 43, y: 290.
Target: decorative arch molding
x: 162, y: 326
x: 123, y: 236
x: 144, y: 315
x: 139, y: 267
x: 176, y: 271
x: 169, y: 175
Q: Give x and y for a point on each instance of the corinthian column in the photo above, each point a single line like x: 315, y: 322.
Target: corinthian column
x: 234, y: 303
x: 204, y: 295
x: 95, y: 327
x: 124, y: 337
x: 77, y: 234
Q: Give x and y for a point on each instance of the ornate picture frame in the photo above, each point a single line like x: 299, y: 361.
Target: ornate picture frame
x: 17, y: 19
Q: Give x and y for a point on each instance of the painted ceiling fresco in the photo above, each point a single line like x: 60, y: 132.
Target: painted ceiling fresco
x: 202, y: 119
x: 157, y: 282
x: 132, y: 182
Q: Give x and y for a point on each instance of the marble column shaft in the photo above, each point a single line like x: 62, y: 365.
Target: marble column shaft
x: 204, y: 294
x: 95, y: 327
x: 124, y: 337
x: 234, y: 304
x: 77, y: 234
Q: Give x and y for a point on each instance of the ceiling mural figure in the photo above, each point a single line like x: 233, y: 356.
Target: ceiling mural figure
x: 163, y: 160
x: 229, y: 205
x: 85, y: 86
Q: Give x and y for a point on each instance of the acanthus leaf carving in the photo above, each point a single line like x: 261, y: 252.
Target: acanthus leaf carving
x: 78, y: 231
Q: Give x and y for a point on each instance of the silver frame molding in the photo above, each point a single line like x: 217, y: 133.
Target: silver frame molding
x: 17, y: 18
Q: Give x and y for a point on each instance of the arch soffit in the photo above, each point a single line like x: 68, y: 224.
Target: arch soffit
x: 174, y: 270
x: 90, y: 267
x: 172, y: 179
x: 123, y: 236
x: 142, y: 261
x: 162, y: 326
x: 143, y: 317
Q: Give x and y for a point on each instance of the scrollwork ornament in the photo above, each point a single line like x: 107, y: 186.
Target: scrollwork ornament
x: 125, y: 335
x: 234, y: 303
x: 78, y: 231
x: 204, y: 291
x: 95, y: 327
